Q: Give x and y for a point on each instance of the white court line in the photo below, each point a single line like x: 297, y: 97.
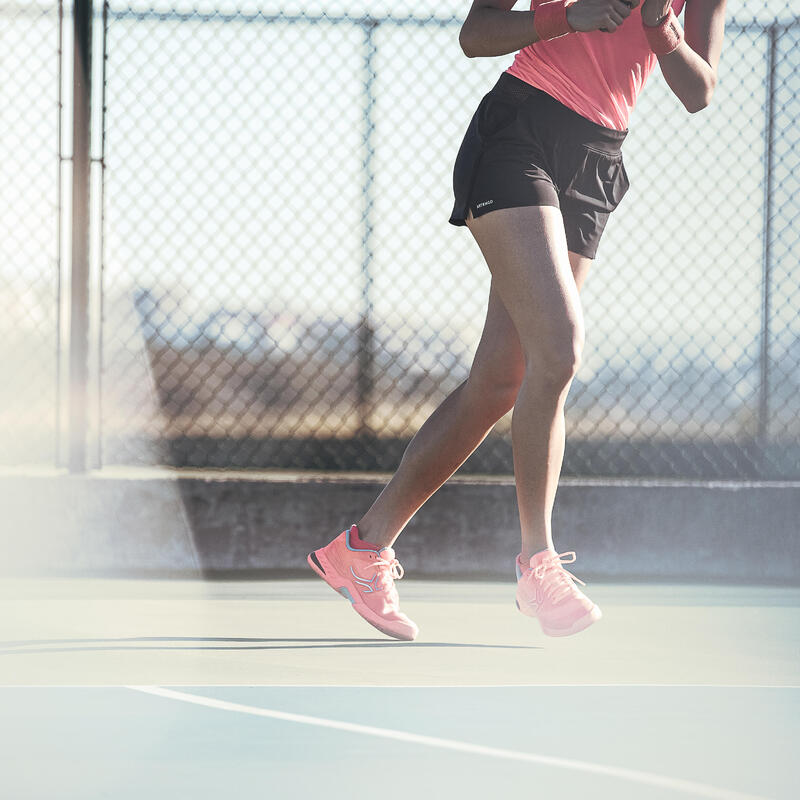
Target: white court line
x: 499, y: 685
x: 452, y: 685
x: 636, y: 776
x: 206, y: 685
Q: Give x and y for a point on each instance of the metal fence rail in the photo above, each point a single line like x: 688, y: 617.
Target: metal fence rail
x: 280, y: 286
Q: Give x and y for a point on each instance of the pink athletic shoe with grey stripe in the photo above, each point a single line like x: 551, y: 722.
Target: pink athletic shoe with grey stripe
x: 546, y: 590
x: 365, y: 574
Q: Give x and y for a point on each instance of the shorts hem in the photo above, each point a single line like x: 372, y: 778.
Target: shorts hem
x: 591, y: 256
x: 462, y: 219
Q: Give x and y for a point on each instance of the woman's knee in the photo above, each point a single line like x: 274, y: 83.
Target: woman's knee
x: 554, y: 360
x: 494, y: 393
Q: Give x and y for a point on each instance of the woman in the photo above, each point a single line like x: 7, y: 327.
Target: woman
x: 537, y: 175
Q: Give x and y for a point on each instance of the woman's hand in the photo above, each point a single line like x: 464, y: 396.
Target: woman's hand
x: 654, y: 10
x: 600, y: 15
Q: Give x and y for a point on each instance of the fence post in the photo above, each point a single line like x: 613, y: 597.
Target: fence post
x: 366, y: 332
x: 766, y: 260
x: 58, y: 449
x: 79, y: 283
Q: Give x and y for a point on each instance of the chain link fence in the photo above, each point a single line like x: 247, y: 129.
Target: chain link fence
x: 280, y: 287
x: 29, y: 220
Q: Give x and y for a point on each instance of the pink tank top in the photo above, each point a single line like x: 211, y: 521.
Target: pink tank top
x: 598, y: 75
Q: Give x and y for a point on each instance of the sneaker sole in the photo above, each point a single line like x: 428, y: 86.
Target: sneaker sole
x: 362, y: 610
x: 580, y: 624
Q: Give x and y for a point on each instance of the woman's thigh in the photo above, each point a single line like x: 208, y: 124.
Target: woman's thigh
x: 526, y: 251
x: 499, y: 362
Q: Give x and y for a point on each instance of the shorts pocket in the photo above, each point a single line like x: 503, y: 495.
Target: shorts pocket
x: 496, y: 112
x: 600, y: 182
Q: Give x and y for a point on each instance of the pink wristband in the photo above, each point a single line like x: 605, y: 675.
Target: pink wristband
x: 666, y: 36
x: 550, y: 19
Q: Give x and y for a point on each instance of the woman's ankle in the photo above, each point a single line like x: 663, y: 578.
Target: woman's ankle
x: 534, y: 547
x: 373, y: 536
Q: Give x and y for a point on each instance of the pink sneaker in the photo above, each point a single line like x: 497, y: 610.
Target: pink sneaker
x: 547, y: 591
x: 365, y: 575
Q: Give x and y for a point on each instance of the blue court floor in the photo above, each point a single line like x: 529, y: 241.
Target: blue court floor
x: 137, y: 689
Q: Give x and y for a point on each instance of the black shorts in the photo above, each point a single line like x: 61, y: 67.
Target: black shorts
x: 524, y: 148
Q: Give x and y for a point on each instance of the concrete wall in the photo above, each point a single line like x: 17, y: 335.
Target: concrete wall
x: 210, y: 523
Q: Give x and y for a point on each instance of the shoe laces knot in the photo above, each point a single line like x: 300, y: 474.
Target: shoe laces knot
x: 559, y: 580
x: 390, y: 570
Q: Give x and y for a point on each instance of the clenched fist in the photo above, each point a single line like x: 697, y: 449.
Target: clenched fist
x: 599, y: 15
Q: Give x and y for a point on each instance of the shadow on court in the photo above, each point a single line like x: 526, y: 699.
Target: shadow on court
x: 145, y: 643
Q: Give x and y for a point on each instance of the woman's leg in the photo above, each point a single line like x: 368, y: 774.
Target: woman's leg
x: 459, y: 424
x: 453, y: 431
x: 527, y: 254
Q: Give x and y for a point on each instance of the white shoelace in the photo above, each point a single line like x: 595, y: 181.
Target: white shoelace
x: 389, y: 569
x: 560, y: 581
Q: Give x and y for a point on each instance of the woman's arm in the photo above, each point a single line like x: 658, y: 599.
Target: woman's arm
x: 493, y: 29
x: 691, y: 69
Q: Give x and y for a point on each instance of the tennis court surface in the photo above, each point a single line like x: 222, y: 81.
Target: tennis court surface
x: 192, y: 689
